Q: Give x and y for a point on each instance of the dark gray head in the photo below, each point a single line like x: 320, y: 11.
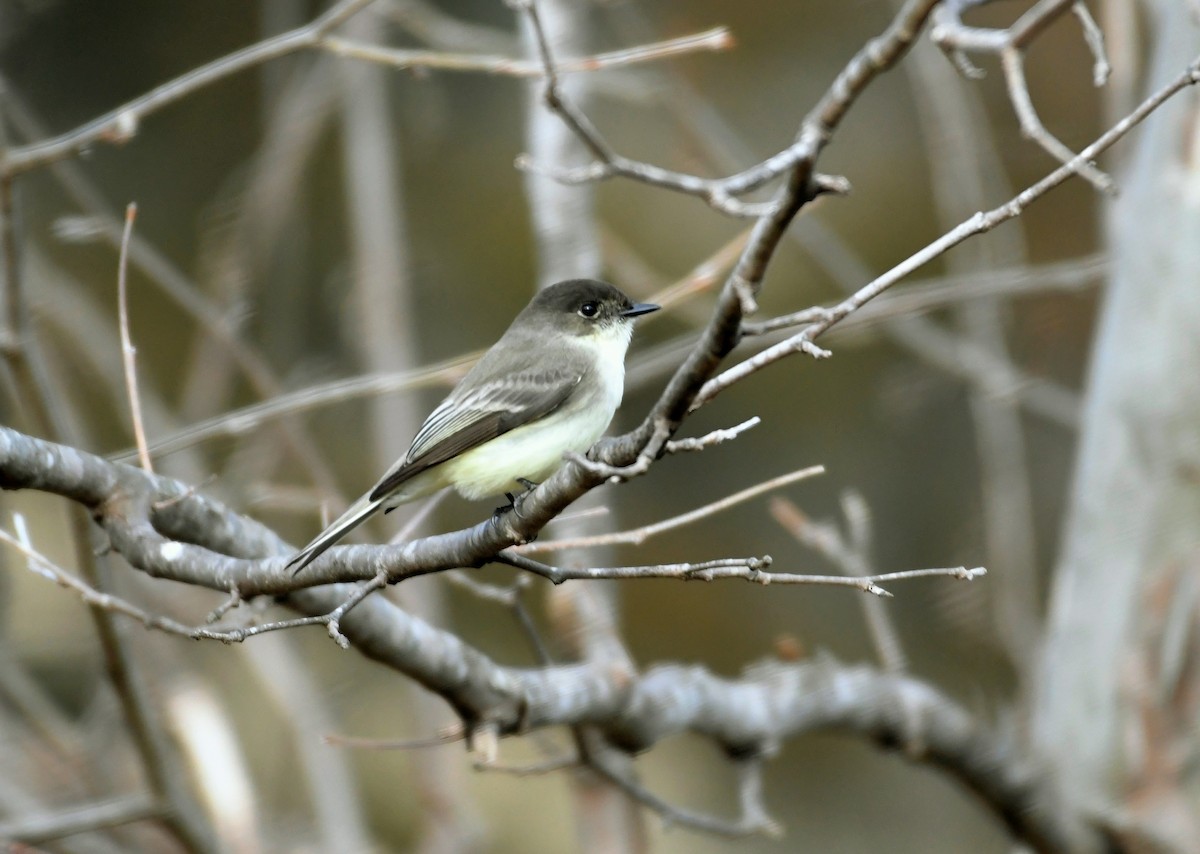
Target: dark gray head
x: 584, y: 307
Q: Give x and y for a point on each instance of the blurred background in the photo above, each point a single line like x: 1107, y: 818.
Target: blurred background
x: 318, y: 220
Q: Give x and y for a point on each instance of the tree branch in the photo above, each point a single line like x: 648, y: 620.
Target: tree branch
x: 954, y: 37
x: 744, y: 716
x: 120, y: 125
x: 980, y: 223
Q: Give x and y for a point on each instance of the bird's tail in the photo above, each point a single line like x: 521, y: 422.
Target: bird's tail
x: 359, y: 512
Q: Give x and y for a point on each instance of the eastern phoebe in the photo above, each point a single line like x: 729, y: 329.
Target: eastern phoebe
x: 550, y: 385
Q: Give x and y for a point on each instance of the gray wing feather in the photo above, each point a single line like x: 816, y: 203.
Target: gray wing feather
x: 466, y: 420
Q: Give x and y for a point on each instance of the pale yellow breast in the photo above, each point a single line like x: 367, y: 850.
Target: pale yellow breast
x: 536, y: 450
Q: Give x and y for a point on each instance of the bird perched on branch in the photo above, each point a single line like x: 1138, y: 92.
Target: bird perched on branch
x: 550, y: 385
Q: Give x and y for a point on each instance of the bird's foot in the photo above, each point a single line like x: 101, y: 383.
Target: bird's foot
x: 514, y: 501
x: 504, y: 508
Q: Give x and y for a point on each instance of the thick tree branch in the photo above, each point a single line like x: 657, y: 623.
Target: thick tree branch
x: 748, y: 716
x: 140, y: 509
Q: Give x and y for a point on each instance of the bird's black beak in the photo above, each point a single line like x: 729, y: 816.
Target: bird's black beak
x: 638, y: 309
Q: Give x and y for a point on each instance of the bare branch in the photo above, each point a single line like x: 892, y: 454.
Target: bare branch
x: 121, y: 125
x: 637, y: 536
x: 745, y: 716
x: 980, y: 223
x: 533, y: 769
x: 159, y: 270
x: 35, y: 829
x: 718, y: 193
x: 333, y: 620
x: 954, y: 37
x: 718, y: 38
x: 716, y: 437
x: 753, y: 569
x: 512, y: 597
x: 168, y: 531
x: 448, y: 735
x: 1094, y: 36
x: 238, y: 422
x: 44, y: 567
x: 852, y: 558
x: 750, y: 823
x: 128, y: 351
x: 724, y: 330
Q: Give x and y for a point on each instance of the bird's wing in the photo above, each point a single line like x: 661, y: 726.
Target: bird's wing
x: 465, y: 421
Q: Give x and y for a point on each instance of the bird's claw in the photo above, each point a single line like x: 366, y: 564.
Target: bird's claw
x: 514, y: 501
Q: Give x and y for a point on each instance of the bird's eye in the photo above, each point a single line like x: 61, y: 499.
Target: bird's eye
x: 588, y: 309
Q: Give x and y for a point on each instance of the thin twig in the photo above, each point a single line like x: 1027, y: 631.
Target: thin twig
x: 511, y: 597
x: 333, y: 620
x: 750, y: 797
x: 450, y: 735
x: 234, y: 600
x: 715, y: 437
x: 921, y: 297
x: 128, y: 351
x: 238, y: 422
x: 532, y: 769
x: 1013, y: 63
x: 718, y: 38
x: 853, y: 558
x: 748, y: 824
x: 1094, y: 36
x: 637, y: 536
x: 46, y: 568
x: 753, y: 569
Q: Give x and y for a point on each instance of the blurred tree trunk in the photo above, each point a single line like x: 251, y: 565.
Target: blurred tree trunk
x: 1134, y: 518
x: 566, y: 237
x: 384, y: 319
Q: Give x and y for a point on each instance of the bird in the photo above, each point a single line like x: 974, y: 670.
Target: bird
x: 550, y: 385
